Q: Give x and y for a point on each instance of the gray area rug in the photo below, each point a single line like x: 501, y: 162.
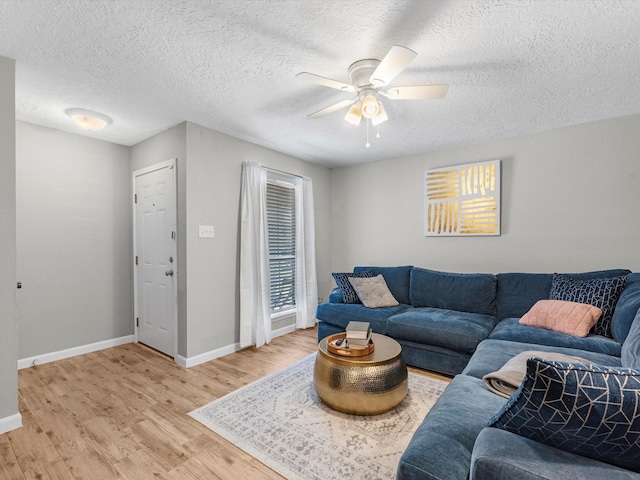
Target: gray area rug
x: 282, y: 422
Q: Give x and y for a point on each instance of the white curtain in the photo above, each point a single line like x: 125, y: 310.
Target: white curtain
x: 255, y: 299
x: 306, y: 280
x: 255, y: 302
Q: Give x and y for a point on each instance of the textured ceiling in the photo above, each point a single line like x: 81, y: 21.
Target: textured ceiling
x: 513, y: 66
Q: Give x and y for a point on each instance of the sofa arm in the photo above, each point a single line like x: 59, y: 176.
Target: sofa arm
x: 335, y: 296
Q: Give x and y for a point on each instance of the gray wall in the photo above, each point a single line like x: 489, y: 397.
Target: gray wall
x: 74, y: 240
x: 213, y: 196
x: 209, y: 166
x: 8, y: 325
x: 569, y: 203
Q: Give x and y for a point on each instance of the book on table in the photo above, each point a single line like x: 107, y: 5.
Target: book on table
x: 359, y: 342
x: 358, y: 333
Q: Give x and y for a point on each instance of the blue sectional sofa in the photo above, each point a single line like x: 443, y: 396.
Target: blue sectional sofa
x: 466, y: 326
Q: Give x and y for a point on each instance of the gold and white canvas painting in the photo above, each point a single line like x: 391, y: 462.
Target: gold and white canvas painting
x: 462, y: 200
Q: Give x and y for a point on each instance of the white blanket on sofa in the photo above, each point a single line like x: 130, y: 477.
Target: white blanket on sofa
x: 507, y: 380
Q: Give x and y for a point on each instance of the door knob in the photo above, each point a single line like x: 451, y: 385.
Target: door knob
x: 169, y: 273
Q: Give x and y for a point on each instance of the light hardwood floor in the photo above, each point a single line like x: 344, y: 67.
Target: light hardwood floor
x: 121, y: 413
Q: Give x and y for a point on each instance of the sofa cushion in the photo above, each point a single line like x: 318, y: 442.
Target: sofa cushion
x: 464, y: 292
x: 517, y: 292
x: 431, y: 357
x: 630, y: 357
x: 600, y: 292
x: 570, y: 318
x: 491, y: 355
x: 397, y: 279
x: 373, y: 292
x: 461, y: 331
x: 349, y: 295
x: 498, y: 454
x: 626, y: 308
x: 441, y: 447
x: 340, y: 314
x: 511, y: 329
x: 589, y: 410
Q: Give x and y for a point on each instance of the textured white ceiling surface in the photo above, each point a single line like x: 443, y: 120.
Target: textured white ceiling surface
x: 512, y: 66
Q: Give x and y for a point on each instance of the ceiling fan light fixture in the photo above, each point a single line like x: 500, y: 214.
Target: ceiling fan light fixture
x: 381, y: 117
x: 354, y: 115
x: 370, y: 106
x: 88, y: 120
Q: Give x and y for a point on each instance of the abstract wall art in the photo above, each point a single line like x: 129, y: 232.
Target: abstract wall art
x: 462, y: 200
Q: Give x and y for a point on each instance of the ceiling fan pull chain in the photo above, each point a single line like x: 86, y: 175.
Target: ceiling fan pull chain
x: 377, y: 131
x: 367, y: 144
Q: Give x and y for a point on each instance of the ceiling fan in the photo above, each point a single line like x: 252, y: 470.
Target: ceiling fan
x: 369, y: 81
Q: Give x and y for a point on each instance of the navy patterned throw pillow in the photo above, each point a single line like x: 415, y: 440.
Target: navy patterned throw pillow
x: 590, y: 410
x: 349, y: 295
x: 600, y: 292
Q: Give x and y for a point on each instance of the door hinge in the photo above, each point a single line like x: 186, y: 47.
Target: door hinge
x: 136, y: 259
x: 137, y: 322
x: 173, y: 235
x: 135, y: 198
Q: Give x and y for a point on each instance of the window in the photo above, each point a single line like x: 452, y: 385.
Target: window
x: 281, y: 223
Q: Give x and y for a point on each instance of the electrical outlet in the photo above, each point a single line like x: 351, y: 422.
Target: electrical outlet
x: 206, y: 231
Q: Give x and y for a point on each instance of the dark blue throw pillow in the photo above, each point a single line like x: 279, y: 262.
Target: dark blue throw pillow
x: 600, y: 292
x: 349, y: 295
x: 589, y: 410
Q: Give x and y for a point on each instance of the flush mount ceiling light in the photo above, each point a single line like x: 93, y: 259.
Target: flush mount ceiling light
x: 369, y: 78
x: 88, y: 120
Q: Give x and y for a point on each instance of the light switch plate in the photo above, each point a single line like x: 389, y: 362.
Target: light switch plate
x: 205, y: 231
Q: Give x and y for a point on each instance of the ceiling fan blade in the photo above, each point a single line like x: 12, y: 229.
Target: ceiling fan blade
x: 391, y: 65
x: 333, y: 108
x: 326, y: 82
x: 417, y: 92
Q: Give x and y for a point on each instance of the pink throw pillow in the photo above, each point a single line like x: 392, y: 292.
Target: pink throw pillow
x: 562, y: 316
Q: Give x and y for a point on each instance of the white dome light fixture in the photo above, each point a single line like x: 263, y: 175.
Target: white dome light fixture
x: 88, y: 120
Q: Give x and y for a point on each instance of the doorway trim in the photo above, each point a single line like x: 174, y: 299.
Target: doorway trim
x: 172, y: 165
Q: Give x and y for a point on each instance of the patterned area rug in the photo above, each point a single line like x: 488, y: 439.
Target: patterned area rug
x: 281, y: 421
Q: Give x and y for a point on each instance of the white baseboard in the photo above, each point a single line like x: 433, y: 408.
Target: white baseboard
x: 10, y: 423
x: 207, y: 356
x: 72, y: 352
x: 283, y: 331
x: 222, y: 351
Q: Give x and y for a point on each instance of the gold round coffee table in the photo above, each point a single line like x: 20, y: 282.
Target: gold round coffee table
x: 367, y: 385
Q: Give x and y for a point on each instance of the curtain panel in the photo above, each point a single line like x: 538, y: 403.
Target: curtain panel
x: 306, y: 279
x: 255, y: 301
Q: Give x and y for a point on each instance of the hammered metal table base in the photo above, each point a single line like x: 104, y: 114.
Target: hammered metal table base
x: 367, y: 385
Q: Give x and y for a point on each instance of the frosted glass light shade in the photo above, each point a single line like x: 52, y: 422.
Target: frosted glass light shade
x: 381, y: 117
x: 88, y: 120
x: 354, y: 115
x: 370, y: 106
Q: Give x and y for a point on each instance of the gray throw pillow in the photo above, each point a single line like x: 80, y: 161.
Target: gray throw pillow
x: 373, y: 292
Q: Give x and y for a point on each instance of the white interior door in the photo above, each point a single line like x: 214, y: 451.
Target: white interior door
x: 155, y: 256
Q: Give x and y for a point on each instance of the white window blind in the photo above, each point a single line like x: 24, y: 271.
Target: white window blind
x: 281, y: 221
